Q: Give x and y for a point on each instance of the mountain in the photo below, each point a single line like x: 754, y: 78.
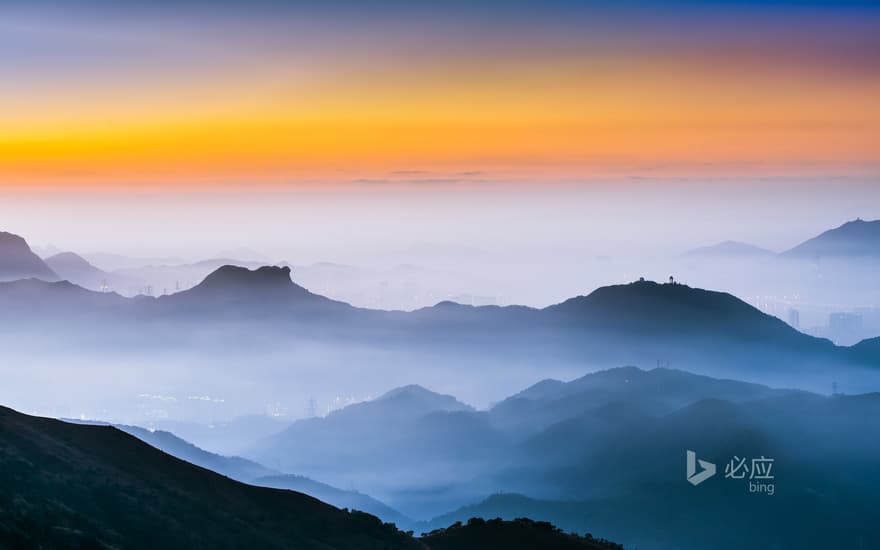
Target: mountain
x: 340, y: 498
x: 265, y: 291
x: 606, y: 452
x: 858, y: 239
x: 620, y: 471
x: 284, y: 332
x: 730, y: 249
x: 643, y: 322
x: 655, y: 391
x: 398, y: 436
x: 65, y: 485
x: 247, y: 471
x: 68, y: 485
x: 227, y: 437
x: 867, y: 351
x: 233, y: 467
x: 17, y: 261
x: 517, y: 534
x: 76, y: 269
x: 373, y: 432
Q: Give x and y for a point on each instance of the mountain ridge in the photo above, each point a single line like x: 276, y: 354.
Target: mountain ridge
x: 854, y: 239
x: 18, y: 261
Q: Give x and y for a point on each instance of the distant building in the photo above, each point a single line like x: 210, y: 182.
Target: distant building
x: 794, y: 318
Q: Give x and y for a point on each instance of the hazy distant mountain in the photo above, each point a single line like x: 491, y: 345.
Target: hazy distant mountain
x: 731, y: 249
x: 637, y: 323
x: 606, y: 453
x: 226, y: 437
x: 45, y: 251
x: 76, y: 269
x: 620, y: 472
x: 17, y: 261
x: 372, y: 431
x: 655, y: 391
x: 401, y: 435
x: 75, y: 486
x: 855, y: 239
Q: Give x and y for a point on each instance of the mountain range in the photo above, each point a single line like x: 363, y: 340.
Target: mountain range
x: 248, y: 471
x: 607, y: 452
x: 855, y: 240
x: 858, y: 239
x: 638, y: 323
x: 66, y: 485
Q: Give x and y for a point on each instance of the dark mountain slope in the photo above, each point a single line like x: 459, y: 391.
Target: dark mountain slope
x: 248, y: 471
x: 17, y: 261
x: 76, y: 486
x: 518, y: 534
x: 67, y: 485
x: 234, y: 467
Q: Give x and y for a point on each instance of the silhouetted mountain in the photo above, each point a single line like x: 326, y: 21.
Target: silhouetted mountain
x: 17, y: 261
x: 730, y: 249
x: 518, y: 534
x: 234, y: 467
x: 74, y: 486
x: 65, y: 485
x: 855, y: 239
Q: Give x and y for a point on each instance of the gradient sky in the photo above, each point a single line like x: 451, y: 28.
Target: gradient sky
x: 183, y: 96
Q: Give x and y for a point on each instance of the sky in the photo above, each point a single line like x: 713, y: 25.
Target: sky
x: 261, y: 94
x: 388, y: 121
